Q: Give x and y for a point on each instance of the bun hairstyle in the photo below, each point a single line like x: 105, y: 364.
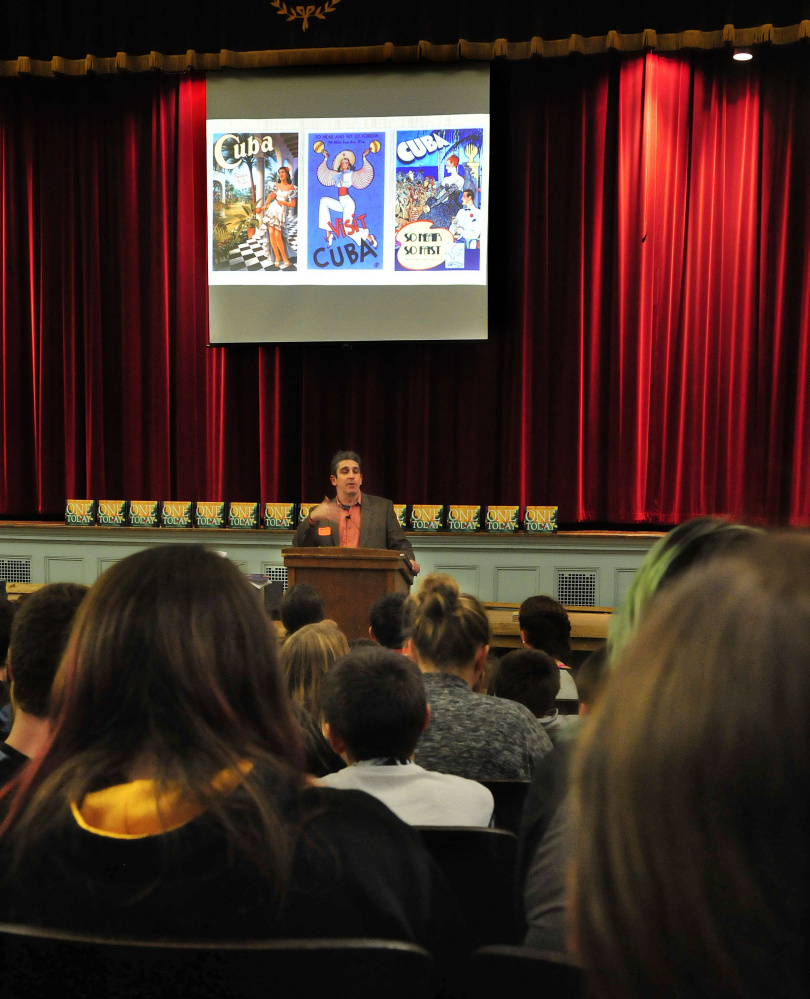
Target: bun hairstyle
x: 447, y: 626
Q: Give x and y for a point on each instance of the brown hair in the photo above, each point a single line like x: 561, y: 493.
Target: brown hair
x: 528, y: 676
x: 447, y: 627
x: 171, y: 662
x: 691, y: 869
x: 306, y: 656
x: 39, y: 635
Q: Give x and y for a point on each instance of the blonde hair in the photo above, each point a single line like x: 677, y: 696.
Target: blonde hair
x: 447, y: 627
x: 305, y: 658
x: 691, y: 786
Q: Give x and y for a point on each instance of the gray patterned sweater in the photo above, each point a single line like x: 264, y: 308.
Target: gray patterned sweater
x: 477, y: 736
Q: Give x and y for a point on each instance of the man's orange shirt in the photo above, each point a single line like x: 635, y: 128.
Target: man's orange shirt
x: 349, y: 527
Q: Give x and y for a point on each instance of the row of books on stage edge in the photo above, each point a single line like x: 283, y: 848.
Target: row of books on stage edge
x: 282, y: 516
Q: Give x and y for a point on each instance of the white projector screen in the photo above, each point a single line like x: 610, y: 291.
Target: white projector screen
x: 348, y: 205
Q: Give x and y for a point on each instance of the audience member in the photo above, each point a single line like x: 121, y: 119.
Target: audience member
x: 386, y: 621
x: 544, y: 625
x: 472, y: 735
x: 300, y: 605
x: 39, y: 634
x: 305, y: 658
x: 691, y: 786
x: 6, y: 617
x: 361, y: 643
x: 547, y: 830
x: 688, y: 544
x: 591, y: 677
x: 374, y: 709
x: 171, y: 801
x: 532, y: 678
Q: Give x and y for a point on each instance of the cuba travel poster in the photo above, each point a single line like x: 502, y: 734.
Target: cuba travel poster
x: 254, y: 200
x: 440, y: 221
x: 345, y: 201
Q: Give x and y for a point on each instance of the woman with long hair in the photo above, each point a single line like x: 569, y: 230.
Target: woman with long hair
x: 306, y: 657
x: 170, y: 800
x: 469, y: 734
x: 277, y: 208
x: 692, y: 790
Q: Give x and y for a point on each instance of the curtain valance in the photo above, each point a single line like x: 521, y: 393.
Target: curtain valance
x: 77, y: 37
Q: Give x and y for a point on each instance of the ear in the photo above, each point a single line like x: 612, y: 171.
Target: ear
x: 480, y: 658
x: 334, y: 740
x: 427, y: 718
x: 409, y: 650
x: 371, y: 634
x: 523, y: 636
x: 333, y: 479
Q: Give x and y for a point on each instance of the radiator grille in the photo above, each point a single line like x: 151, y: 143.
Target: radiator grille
x: 577, y: 589
x: 15, y: 570
x: 277, y: 574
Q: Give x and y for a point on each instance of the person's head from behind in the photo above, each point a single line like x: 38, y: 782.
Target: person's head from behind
x: 301, y: 604
x: 692, y: 785
x: 590, y: 679
x: 39, y: 635
x: 386, y: 620
x: 306, y: 657
x: 544, y: 625
x: 6, y: 617
x: 374, y: 705
x: 449, y: 629
x: 690, y: 543
x: 529, y: 677
x: 169, y: 675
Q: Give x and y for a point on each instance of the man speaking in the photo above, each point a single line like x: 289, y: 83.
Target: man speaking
x: 353, y: 519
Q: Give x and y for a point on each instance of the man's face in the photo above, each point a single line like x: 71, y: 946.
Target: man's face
x: 347, y: 481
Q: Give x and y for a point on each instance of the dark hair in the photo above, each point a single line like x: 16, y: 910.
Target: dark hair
x: 547, y: 627
x: 375, y: 701
x: 339, y: 456
x: 529, y: 677
x: 301, y: 604
x: 7, y: 609
x: 39, y: 634
x: 591, y: 676
x: 447, y: 627
x: 692, y: 781
x: 385, y: 617
x: 172, y: 664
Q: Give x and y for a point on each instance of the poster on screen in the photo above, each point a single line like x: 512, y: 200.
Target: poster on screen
x: 350, y: 201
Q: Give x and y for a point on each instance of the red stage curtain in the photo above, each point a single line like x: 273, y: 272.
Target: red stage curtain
x: 649, y: 308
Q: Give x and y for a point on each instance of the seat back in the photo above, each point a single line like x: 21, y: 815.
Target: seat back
x: 521, y: 971
x: 55, y: 965
x: 480, y: 866
x: 509, y: 796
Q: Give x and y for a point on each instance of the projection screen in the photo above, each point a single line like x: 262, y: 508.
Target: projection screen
x: 348, y: 204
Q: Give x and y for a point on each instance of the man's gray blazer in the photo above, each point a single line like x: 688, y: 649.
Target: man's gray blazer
x: 379, y: 528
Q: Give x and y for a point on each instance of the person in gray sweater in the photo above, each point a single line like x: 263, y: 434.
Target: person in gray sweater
x: 471, y: 735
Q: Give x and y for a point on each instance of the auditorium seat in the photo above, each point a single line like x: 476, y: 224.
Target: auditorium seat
x: 480, y: 866
x: 44, y: 964
x: 509, y: 796
x: 521, y: 971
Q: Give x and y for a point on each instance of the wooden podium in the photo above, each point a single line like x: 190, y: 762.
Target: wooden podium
x: 349, y: 580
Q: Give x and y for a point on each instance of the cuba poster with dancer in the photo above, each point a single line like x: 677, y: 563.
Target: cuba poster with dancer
x: 345, y: 201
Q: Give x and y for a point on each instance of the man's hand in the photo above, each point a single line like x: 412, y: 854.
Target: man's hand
x: 414, y: 566
x: 325, y: 510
